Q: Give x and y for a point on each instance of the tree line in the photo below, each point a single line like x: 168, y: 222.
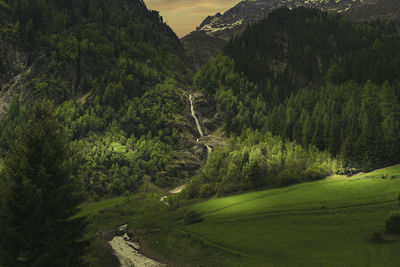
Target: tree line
x: 258, y: 159
x: 357, y: 123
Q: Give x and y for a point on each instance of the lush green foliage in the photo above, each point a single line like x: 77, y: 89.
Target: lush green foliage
x: 258, y: 159
x: 40, y: 196
x: 16, y: 114
x: 240, y: 101
x: 112, y: 164
x: 358, y: 123
x: 111, y: 159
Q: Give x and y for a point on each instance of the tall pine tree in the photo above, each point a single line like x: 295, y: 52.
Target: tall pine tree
x: 40, y: 197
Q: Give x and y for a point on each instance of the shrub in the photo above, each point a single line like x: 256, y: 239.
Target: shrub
x: 315, y: 173
x: 192, y: 217
x: 393, y: 222
x: 173, y: 200
x: 206, y: 190
x: 193, y: 188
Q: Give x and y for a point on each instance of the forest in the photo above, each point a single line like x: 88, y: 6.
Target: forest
x: 113, y: 80
x: 336, y: 99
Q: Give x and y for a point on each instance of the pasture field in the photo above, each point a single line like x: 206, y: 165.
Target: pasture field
x: 321, y: 223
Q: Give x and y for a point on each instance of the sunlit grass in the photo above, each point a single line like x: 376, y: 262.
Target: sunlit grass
x: 333, y: 192
x: 322, y: 223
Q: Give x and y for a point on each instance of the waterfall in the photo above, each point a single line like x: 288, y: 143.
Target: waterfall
x: 194, y: 116
x: 209, y: 149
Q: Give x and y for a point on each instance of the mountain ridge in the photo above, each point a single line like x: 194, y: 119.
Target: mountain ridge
x: 235, y: 20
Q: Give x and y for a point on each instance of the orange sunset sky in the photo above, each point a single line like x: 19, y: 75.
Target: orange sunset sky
x: 184, y: 15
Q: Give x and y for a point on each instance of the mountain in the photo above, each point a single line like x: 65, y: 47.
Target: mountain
x: 119, y: 78
x: 72, y: 43
x: 220, y: 28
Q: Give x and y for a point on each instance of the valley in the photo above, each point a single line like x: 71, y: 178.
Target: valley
x: 269, y: 136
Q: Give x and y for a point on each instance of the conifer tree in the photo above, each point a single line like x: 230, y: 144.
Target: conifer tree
x: 40, y: 197
x: 370, y: 139
x: 390, y: 107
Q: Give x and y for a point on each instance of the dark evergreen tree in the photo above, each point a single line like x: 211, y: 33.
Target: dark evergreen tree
x: 40, y: 197
x: 370, y: 140
x: 390, y: 107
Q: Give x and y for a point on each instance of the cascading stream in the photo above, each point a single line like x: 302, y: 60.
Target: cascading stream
x: 209, y: 149
x: 194, y: 116
x: 127, y: 251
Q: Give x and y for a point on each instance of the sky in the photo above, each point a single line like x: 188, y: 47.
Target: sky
x: 183, y: 16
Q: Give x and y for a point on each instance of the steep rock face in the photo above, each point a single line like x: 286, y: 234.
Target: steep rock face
x: 13, y: 62
x: 235, y: 20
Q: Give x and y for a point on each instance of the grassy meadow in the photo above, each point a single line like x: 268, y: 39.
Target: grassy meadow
x: 322, y: 223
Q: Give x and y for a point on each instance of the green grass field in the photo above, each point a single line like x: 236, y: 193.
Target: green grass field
x: 322, y: 223
x: 95, y: 208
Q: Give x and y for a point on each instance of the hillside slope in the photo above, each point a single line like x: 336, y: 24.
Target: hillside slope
x: 64, y: 50
x: 120, y: 80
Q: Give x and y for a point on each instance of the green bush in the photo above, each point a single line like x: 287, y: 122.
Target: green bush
x: 393, y: 222
x: 192, y: 217
x: 206, y: 190
x: 315, y: 173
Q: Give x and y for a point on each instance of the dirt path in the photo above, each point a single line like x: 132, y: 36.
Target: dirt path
x: 174, y: 191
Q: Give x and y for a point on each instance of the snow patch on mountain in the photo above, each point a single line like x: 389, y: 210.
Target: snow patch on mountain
x: 250, y: 11
x: 218, y: 27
